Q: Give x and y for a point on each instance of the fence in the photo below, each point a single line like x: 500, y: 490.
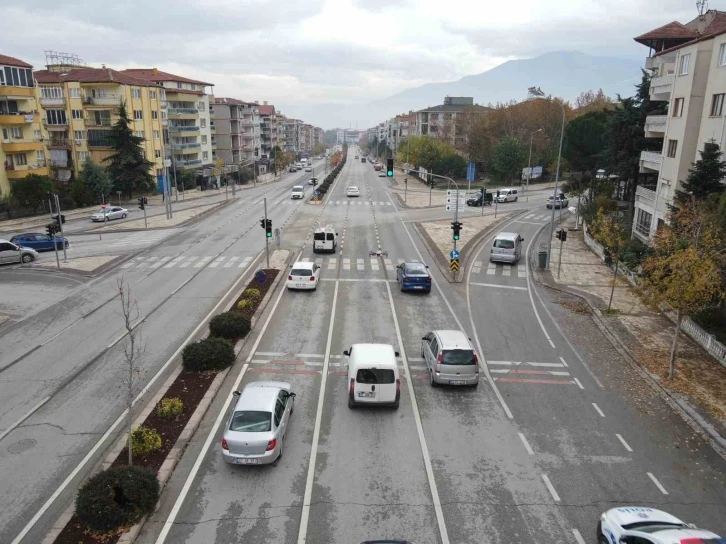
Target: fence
x: 706, y: 340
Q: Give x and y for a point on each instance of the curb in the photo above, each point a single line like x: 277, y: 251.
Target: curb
x: 690, y: 416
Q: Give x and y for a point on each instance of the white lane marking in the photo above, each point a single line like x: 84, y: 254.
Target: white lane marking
x: 531, y: 299
x: 563, y: 362
x: 419, y: 427
x: 216, y: 262
x: 499, y: 286
x: 578, y: 383
x: 527, y: 222
x: 546, y: 365
x: 597, y: 409
x: 272, y: 354
x: 624, y: 443
x: 491, y: 271
x: 128, y: 265
x: 307, y: 497
x: 657, y: 483
x: 578, y: 536
x: 551, y: 488
x: 24, y: 417
x: 121, y: 418
x: 526, y: 444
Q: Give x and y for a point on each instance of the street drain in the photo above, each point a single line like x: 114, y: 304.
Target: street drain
x: 23, y: 445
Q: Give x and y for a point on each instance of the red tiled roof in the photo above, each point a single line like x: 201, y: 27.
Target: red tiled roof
x: 266, y: 109
x: 153, y: 74
x: 229, y: 101
x: 716, y: 27
x: 672, y: 30
x: 12, y: 61
x: 91, y: 75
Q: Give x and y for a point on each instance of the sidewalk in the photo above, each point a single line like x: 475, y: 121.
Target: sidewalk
x: 699, y: 386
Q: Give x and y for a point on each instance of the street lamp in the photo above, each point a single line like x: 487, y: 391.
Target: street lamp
x: 529, y: 162
x: 536, y: 92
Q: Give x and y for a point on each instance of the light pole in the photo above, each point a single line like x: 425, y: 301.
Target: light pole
x: 529, y: 162
x: 537, y: 93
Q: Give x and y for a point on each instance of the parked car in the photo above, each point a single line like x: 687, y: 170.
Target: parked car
x: 292, y: 168
x: 304, y: 275
x: 378, y: 167
x: 38, y: 241
x: 651, y: 526
x: 255, y: 432
x: 353, y: 191
x: 109, y: 213
x: 414, y: 276
x: 13, y: 253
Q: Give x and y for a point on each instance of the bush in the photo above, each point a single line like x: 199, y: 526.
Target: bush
x: 145, y: 440
x: 323, y: 190
x: 208, y: 354
x: 117, y: 497
x: 252, y: 293
x: 170, y: 408
x: 230, y: 324
x: 244, y: 304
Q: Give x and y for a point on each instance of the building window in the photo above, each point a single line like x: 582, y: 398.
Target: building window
x: 163, y: 114
x: 56, y: 117
x: 152, y: 95
x: 75, y: 92
x: 722, y: 55
x: 643, y: 221
x: 157, y: 153
x: 77, y: 114
x: 16, y: 77
x: 683, y: 65
x: 178, y: 85
x: 204, y: 140
x: 139, y: 133
x: 17, y: 133
x: 82, y: 156
x: 36, y: 135
x: 20, y: 160
x: 156, y: 135
x: 205, y: 156
x: 51, y: 92
x: 193, y: 87
x: 79, y: 134
x: 102, y: 118
x: 40, y: 155
x: 154, y: 114
x: 138, y: 115
x: 717, y: 105
x: 678, y: 107
x: 200, y: 105
x: 136, y: 93
x: 672, y: 148
x: 203, y: 122
x: 143, y: 153
x: 162, y: 93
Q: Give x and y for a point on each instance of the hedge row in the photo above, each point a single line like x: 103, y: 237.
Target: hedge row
x: 330, y: 178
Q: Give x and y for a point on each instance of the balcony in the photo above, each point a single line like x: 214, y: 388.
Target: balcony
x: 191, y: 162
x: 164, y: 122
x: 214, y: 143
x: 182, y: 111
x: 60, y: 163
x: 54, y: 101
x: 646, y: 197
x: 17, y: 118
x: 183, y: 128
x: 661, y: 87
x: 20, y: 144
x: 55, y: 125
x: 99, y: 138
x: 650, y: 161
x: 163, y: 103
x: 58, y: 143
x: 20, y: 171
x: 109, y: 100
x: 186, y: 146
x: 20, y: 93
x: 655, y: 126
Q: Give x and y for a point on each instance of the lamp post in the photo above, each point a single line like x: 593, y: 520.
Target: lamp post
x: 536, y: 92
x: 529, y: 162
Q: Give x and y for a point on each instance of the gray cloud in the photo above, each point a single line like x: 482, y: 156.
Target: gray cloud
x: 375, y: 6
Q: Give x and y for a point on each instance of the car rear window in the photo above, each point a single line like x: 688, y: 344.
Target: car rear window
x: 251, y: 422
x: 301, y: 272
x: 459, y: 357
x: 416, y: 269
x: 375, y: 375
x: 319, y: 236
x: 330, y: 236
x: 504, y: 244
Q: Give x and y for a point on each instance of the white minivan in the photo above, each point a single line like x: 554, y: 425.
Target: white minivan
x: 507, y: 195
x: 506, y: 248
x: 373, y: 376
x: 297, y: 192
x: 325, y: 239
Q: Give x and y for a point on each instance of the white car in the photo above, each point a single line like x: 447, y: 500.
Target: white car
x: 648, y: 526
x: 353, y: 191
x: 308, y: 168
x: 297, y: 192
x: 312, y: 181
x: 109, y: 212
x: 11, y: 253
x: 303, y: 275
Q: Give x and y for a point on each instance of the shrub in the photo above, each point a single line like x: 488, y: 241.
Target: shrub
x: 230, y: 324
x: 170, y: 408
x: 244, y: 304
x: 145, y: 440
x: 252, y: 293
x: 117, y: 497
x: 323, y: 190
x: 208, y: 354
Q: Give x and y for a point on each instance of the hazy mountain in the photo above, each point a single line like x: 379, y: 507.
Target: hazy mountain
x: 561, y: 73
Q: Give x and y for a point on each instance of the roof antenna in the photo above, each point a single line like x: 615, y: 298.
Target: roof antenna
x: 701, y: 6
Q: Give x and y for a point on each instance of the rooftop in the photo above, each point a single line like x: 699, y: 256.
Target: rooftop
x: 12, y: 61
x: 154, y: 74
x: 92, y: 75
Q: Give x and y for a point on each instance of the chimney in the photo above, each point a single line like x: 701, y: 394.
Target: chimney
x: 110, y: 75
x: 265, y: 102
x: 155, y: 71
x: 103, y: 66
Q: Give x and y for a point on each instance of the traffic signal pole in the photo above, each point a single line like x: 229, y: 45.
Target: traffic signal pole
x: 60, y: 226
x: 267, y: 240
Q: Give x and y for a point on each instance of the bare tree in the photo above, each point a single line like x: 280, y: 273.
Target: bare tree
x: 133, y: 351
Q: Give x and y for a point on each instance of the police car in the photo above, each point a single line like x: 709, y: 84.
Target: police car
x: 641, y: 525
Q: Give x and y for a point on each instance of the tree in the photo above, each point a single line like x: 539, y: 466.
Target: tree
x: 705, y: 175
x: 96, y: 179
x: 612, y: 235
x: 585, y: 140
x: 31, y: 190
x: 508, y: 159
x: 186, y: 179
x: 588, y: 102
x: 127, y: 167
x: 81, y: 194
x: 319, y: 149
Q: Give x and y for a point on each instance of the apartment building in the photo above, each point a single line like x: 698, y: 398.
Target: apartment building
x: 21, y: 151
x: 78, y: 106
x: 290, y: 134
x: 190, y: 125
x: 441, y: 121
x: 688, y: 62
x: 318, y: 136
x: 268, y: 128
x: 236, y: 133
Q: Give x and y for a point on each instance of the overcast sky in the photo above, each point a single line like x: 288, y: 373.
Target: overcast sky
x: 329, y: 51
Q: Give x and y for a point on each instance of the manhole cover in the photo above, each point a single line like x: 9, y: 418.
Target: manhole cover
x: 23, y: 445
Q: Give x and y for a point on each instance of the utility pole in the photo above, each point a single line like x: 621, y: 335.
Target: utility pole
x: 529, y: 162
x: 267, y: 243
x: 60, y: 224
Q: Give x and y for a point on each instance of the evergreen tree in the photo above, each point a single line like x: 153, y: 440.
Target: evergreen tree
x: 127, y: 167
x: 95, y: 178
x: 705, y: 176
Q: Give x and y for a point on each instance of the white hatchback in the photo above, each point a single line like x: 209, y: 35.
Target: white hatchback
x: 297, y: 192
x: 353, y: 191
x: 303, y: 275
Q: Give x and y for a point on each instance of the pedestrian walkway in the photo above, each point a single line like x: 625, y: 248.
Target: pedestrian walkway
x: 137, y: 238
x: 358, y: 202
x: 500, y: 269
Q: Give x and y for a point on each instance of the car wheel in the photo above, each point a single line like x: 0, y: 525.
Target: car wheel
x: 431, y: 379
x: 395, y: 406
x: 475, y: 385
x: 515, y: 198
x: 123, y: 216
x: 351, y: 404
x: 26, y: 258
x: 602, y: 540
x: 279, y: 455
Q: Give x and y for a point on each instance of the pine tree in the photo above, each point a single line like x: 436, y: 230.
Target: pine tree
x: 96, y: 179
x: 127, y: 167
x: 705, y: 176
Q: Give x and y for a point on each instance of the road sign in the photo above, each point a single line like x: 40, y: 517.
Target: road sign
x: 317, y: 193
x: 454, y: 265
x: 536, y: 172
x: 454, y: 254
x: 167, y: 163
x: 470, y: 171
x: 452, y: 202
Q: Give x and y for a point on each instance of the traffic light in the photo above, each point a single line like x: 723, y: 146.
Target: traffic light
x: 268, y: 228
x: 315, y: 181
x: 561, y: 235
x: 262, y: 223
x: 389, y: 168
x: 141, y: 202
x: 456, y: 227
x: 50, y: 229
x: 497, y: 194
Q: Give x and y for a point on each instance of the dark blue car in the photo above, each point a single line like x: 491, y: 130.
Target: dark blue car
x: 414, y: 276
x: 38, y: 241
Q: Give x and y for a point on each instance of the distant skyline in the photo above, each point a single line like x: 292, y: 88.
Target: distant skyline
x: 292, y: 52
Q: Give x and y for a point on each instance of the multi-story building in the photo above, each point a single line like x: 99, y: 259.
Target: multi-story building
x: 234, y: 138
x: 688, y: 62
x: 21, y: 151
x: 318, y: 136
x: 78, y: 107
x: 441, y: 121
x: 290, y: 134
x: 190, y: 125
x: 268, y: 129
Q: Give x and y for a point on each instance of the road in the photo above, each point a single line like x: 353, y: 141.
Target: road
x: 64, y: 365
x: 556, y: 433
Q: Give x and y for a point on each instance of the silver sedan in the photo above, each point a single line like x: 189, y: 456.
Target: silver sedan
x: 255, y: 432
x: 110, y: 212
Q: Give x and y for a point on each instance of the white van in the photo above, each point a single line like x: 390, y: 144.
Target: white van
x: 507, y: 248
x: 297, y: 192
x: 325, y: 239
x: 373, y: 375
x: 507, y: 195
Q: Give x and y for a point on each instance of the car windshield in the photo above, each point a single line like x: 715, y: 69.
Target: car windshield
x: 298, y: 189
x: 375, y: 375
x: 301, y: 272
x: 103, y: 210
x: 251, y: 422
x: 504, y: 244
x: 415, y: 270
x: 459, y: 357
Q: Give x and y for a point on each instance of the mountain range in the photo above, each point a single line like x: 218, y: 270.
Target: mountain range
x: 561, y: 73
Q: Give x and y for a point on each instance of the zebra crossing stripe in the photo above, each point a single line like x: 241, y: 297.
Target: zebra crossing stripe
x: 216, y: 262
x: 231, y: 262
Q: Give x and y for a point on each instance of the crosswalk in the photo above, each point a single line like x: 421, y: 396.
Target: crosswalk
x: 500, y: 269
x: 191, y: 261
x: 538, y: 216
x: 522, y: 372
x: 137, y: 238
x: 357, y: 264
x: 358, y: 202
